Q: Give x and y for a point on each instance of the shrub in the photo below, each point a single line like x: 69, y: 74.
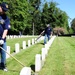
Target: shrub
x: 59, y: 31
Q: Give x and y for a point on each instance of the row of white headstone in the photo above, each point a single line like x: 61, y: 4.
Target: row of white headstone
x: 17, y: 46
x: 14, y: 36
x: 39, y: 59
x: 18, y: 36
x: 25, y: 70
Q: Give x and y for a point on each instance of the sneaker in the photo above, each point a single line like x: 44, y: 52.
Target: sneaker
x: 5, y: 69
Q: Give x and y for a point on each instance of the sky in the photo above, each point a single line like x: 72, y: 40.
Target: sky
x: 66, y: 5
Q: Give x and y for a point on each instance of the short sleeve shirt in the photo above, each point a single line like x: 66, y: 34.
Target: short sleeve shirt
x: 4, y: 24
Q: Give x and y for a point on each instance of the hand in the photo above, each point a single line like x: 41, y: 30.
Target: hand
x: 1, y: 42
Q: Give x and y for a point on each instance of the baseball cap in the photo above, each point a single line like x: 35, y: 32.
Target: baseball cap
x: 4, y: 6
x: 48, y: 25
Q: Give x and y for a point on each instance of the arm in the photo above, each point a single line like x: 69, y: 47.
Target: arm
x: 6, y: 28
x: 4, y: 34
x: 3, y: 37
x: 40, y: 35
x: 42, y: 32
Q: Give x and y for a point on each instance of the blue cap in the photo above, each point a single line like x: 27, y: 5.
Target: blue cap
x: 4, y: 6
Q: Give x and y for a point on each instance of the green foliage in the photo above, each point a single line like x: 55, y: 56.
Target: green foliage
x: 27, y: 14
x: 71, y: 30
x: 73, y: 25
x: 35, y: 13
x: 18, y: 14
x: 54, y: 16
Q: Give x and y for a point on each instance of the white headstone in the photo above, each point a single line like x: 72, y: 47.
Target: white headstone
x: 32, y: 41
x: 35, y: 40
x: 8, y: 51
x: 28, y: 43
x: 11, y: 36
x: 25, y: 71
x: 24, y: 44
x: 46, y: 48
x: 8, y: 37
x: 17, y: 48
x: 37, y: 62
x: 43, y: 54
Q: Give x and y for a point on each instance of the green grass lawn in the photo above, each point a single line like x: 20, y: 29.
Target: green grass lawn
x: 61, y: 57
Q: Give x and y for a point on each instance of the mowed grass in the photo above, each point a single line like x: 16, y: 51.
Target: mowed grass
x: 61, y: 57
x: 27, y: 57
x: 12, y: 42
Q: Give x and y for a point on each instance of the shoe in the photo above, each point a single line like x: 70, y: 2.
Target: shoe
x: 5, y: 69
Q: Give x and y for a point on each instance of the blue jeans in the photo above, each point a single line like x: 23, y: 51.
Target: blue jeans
x: 46, y: 37
x: 3, y: 53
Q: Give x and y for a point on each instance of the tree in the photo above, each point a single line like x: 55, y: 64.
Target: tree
x: 49, y: 14
x: 18, y: 13
x: 34, y: 11
x: 54, y: 16
x: 45, y: 14
x: 73, y: 25
x: 28, y: 17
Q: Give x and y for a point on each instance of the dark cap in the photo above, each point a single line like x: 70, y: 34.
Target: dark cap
x: 4, y: 6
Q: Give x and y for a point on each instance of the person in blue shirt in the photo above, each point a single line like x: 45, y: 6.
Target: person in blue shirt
x: 47, y: 32
x: 4, y: 26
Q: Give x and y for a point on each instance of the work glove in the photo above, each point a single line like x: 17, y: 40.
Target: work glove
x: 1, y: 21
x: 1, y: 42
